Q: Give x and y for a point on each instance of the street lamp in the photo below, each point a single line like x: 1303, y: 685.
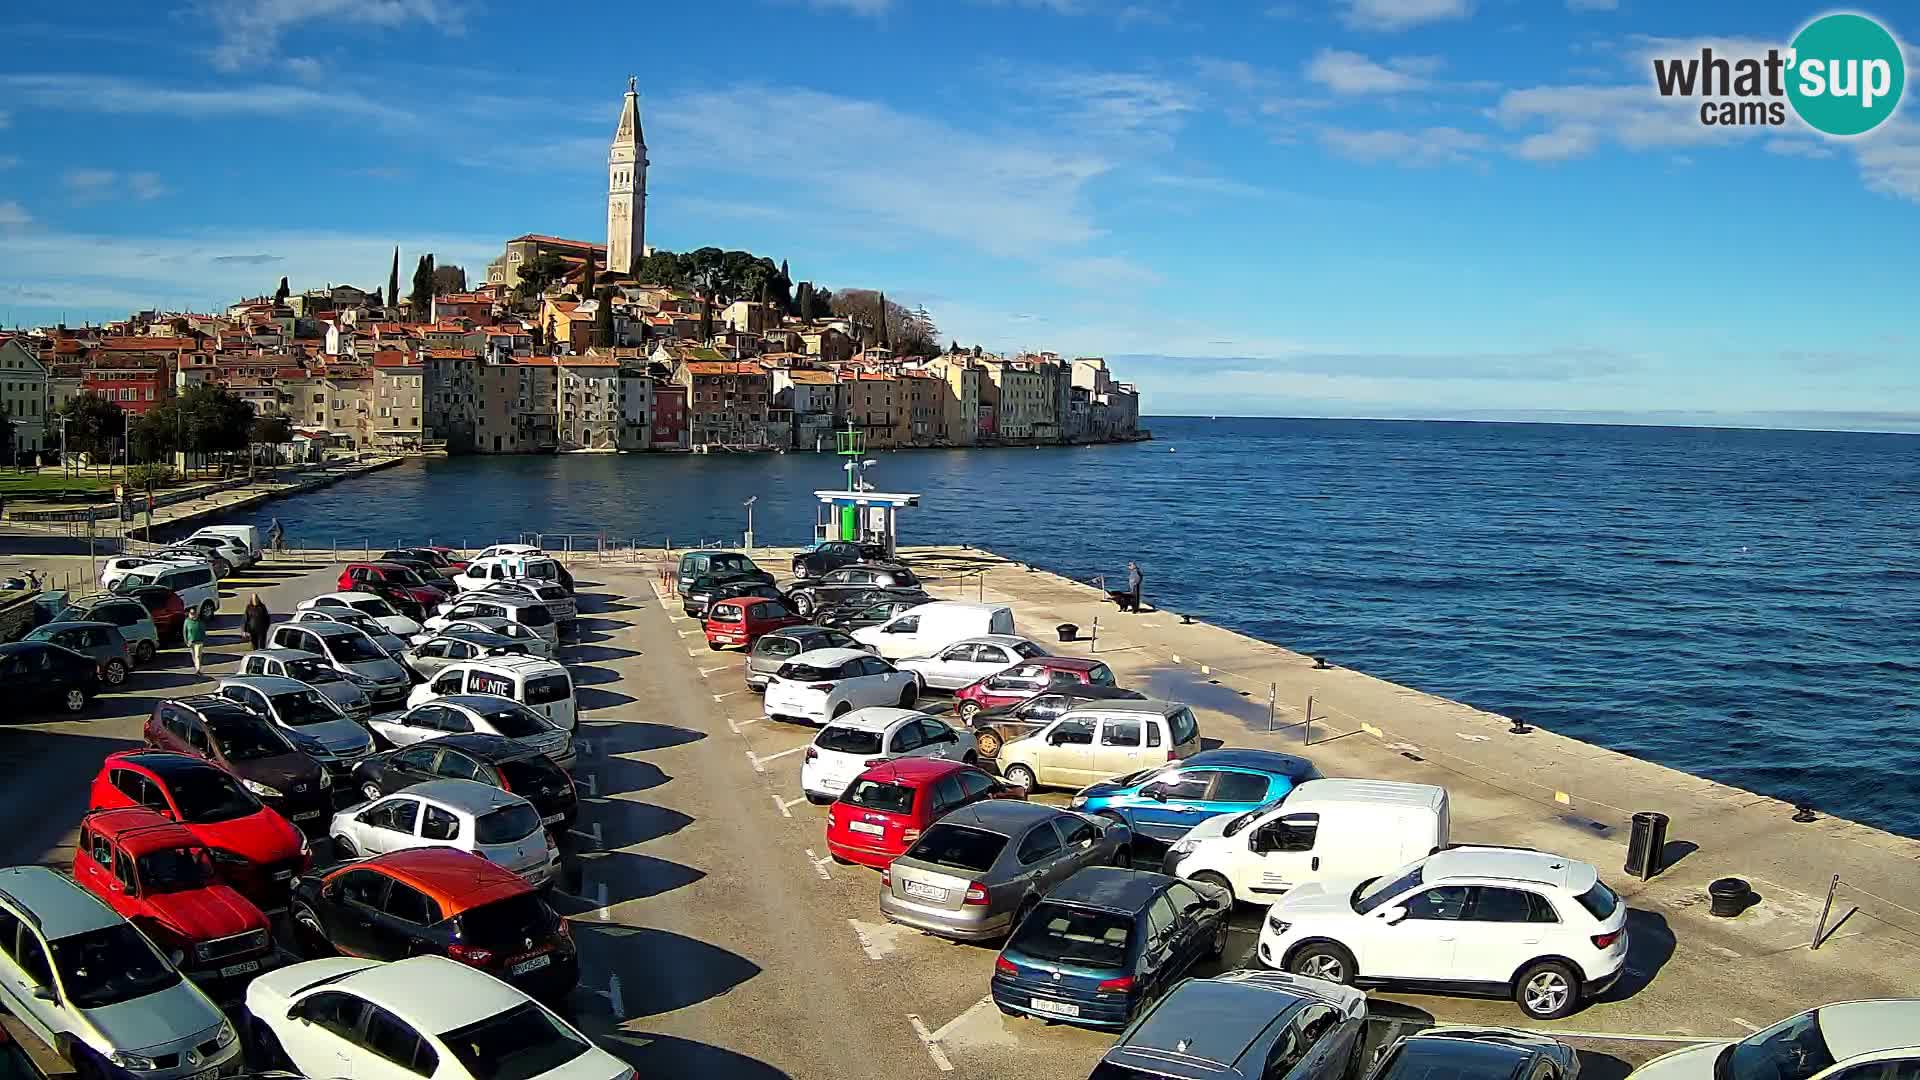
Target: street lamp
x: 749, y: 505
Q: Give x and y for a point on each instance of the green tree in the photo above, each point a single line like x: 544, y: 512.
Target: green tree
x: 603, y: 319
x: 706, y: 316
x: 6, y: 435
x: 907, y: 333
x: 803, y: 301
x: 271, y: 430
x: 449, y: 279
x: 94, y: 425
x: 537, y: 273
x: 155, y: 433
x: 421, y: 299
x: 213, y: 421
x: 662, y: 268
x: 589, y: 277
x: 393, y: 278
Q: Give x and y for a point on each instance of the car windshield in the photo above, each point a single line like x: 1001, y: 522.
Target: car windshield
x: 110, y: 965
x: 1792, y: 1049
x: 353, y: 648
x: 517, y: 721
x: 507, y: 825
x: 133, y: 579
x: 247, y: 740
x: 375, y: 607
x: 877, y: 795
x: 519, y: 1044
x: 1599, y: 901
x: 536, y: 615
x: 400, y: 575
x: 1073, y: 935
x: 175, y: 870
x: 546, y: 689
x: 530, y: 773
x: 848, y: 740
x: 299, y: 708
x: 508, y: 922
x: 1101, y: 675
x: 724, y: 565
x: 727, y: 613
x: 314, y: 672
x: 1027, y: 650
x: 1241, y: 821
x: 210, y: 796
x: 807, y: 672
x: 973, y: 850
x: 1394, y: 887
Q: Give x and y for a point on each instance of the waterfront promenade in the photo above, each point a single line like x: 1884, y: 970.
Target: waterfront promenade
x: 721, y: 941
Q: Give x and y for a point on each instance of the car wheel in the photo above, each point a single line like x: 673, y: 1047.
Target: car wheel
x: 207, y: 611
x: 309, y: 936
x: 1217, y: 882
x: 267, y: 1053
x: 988, y: 742
x: 1123, y: 857
x: 371, y: 791
x: 843, y: 710
x: 1219, y: 947
x: 1323, y: 960
x: 907, y: 697
x: 803, y: 604
x: 969, y: 709
x: 1547, y: 990
x: 713, y: 646
x: 1021, y: 777
x: 343, y: 848
x: 74, y: 700
x: 143, y: 652
x: 116, y: 672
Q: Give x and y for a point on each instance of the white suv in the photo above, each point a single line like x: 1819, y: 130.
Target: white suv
x: 866, y: 737
x: 1507, y: 921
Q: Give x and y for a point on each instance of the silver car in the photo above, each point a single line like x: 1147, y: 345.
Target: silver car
x: 489, y: 624
x: 316, y: 672
x: 313, y: 723
x: 974, y: 873
x: 772, y: 650
x: 438, y: 651
x: 390, y: 643
x: 353, y: 654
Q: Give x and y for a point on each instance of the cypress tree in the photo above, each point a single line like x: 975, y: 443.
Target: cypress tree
x: 590, y: 279
x: 393, y: 278
x: 422, y: 296
x: 886, y: 341
x: 603, y: 318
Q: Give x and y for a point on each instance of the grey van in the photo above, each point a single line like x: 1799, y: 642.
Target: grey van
x: 352, y: 654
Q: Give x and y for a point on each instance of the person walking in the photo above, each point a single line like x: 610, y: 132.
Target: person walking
x: 194, y: 633
x: 256, y: 621
x: 1134, y: 578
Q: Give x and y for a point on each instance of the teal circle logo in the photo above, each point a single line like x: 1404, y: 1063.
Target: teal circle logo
x: 1846, y: 74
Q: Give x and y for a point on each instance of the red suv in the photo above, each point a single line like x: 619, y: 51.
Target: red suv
x: 253, y: 849
x: 357, y: 577
x: 741, y: 620
x: 169, y: 612
x: 887, y: 807
x: 1016, y: 684
x: 161, y: 879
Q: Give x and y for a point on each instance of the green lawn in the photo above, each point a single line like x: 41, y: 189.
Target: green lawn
x: 29, y: 484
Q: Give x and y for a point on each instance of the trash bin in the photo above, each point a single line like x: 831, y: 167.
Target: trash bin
x: 1647, y: 845
x: 1068, y: 631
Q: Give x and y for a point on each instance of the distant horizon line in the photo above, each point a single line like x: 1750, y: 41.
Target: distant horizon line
x: 1544, y: 423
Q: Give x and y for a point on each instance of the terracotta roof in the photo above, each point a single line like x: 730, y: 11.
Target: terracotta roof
x: 810, y: 377
x: 587, y: 361
x: 452, y: 354
x: 394, y: 360
x: 148, y: 344
x: 555, y: 241
x: 290, y: 373
x: 725, y: 367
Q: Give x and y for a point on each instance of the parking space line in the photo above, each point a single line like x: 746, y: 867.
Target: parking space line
x: 820, y: 865
x: 866, y: 943
x: 706, y: 671
x: 1748, y: 1024
x: 585, y: 746
x: 698, y: 652
x: 587, y: 782
x: 938, y: 1055
x: 780, y: 806
x: 787, y: 805
x: 728, y: 694
x: 614, y: 999
x: 947, y: 1028
x: 600, y: 898
x: 736, y: 725
x: 760, y: 760
x: 688, y: 633
x: 594, y: 835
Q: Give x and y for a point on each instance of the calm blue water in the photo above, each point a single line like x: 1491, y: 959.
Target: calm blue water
x: 1737, y: 604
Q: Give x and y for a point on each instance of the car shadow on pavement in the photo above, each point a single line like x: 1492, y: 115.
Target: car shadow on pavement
x: 44, y: 785
x: 614, y: 738
x: 623, y: 776
x: 1597, y: 1066
x: 661, y: 971
x: 624, y: 823
x: 630, y: 876
x: 591, y: 676
x: 668, y: 1055
x: 597, y: 654
x: 1174, y: 683
x: 592, y: 698
x: 1649, y: 946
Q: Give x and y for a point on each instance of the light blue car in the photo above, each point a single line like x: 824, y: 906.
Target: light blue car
x: 1165, y: 801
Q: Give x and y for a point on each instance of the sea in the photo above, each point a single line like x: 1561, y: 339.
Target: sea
x: 1738, y: 604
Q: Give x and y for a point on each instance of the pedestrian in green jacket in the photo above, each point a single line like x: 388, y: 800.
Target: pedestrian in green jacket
x: 194, y: 633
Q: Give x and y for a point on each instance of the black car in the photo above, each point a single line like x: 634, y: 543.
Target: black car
x: 430, y: 572
x: 249, y: 746
x: 994, y: 727
x: 1248, y: 1025
x: 871, y: 609
x: 834, y: 554
x: 36, y: 674
x: 701, y: 591
x: 744, y: 587
x: 488, y: 759
x: 400, y: 599
x: 835, y: 586
x: 1470, y: 1053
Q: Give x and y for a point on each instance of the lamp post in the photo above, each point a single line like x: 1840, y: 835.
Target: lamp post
x: 749, y: 505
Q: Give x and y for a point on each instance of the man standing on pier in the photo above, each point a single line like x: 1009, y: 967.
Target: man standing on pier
x: 1133, y: 585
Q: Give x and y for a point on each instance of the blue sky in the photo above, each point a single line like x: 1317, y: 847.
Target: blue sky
x: 1472, y: 208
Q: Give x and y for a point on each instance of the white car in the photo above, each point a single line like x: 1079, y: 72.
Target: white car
x: 85, y: 981
x: 482, y: 713
x: 425, y: 1016
x: 966, y: 662
x: 505, y: 549
x: 536, y: 644
x: 824, y: 684
x: 1852, y: 1039
x: 864, y: 737
x: 367, y: 604
x: 1538, y: 926
x: 496, y: 825
x: 236, y: 552
x: 542, y: 685
x: 115, y: 569
x: 529, y: 611
x: 366, y: 624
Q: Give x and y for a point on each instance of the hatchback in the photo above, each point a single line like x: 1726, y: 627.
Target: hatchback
x: 1247, y: 1025
x: 866, y: 737
x: 1163, y: 802
x: 527, y: 612
x: 1011, y: 686
x: 826, y: 684
x: 486, y: 759
x: 440, y: 901
x: 136, y: 623
x: 1104, y: 942
x: 541, y: 685
x: 836, y: 585
x: 536, y: 644
x: 696, y: 564
x: 558, y: 601
x: 254, y: 849
x: 969, y: 660
x: 772, y: 649
x: 195, y: 584
x: 1102, y: 740
x: 313, y: 723
x: 449, y: 647
x: 974, y: 873
x: 36, y: 673
x: 869, y: 610
x: 353, y: 654
x: 485, y: 714
x: 366, y: 604
x: 390, y: 643
x: 1847, y: 1040
x: 163, y: 606
x: 358, y: 576
x: 97, y: 640
x: 1481, y: 1054
x: 250, y: 747
x: 305, y: 667
x: 496, y: 825
x: 742, y: 620
x: 890, y: 804
x: 996, y: 727
x: 701, y: 592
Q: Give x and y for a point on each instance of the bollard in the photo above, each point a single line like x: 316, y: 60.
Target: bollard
x: 1646, y: 846
x: 1729, y: 896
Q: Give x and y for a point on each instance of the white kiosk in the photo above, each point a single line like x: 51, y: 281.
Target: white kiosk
x: 863, y: 517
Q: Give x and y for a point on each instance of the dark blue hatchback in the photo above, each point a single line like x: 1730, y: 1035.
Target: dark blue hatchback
x: 1105, y: 942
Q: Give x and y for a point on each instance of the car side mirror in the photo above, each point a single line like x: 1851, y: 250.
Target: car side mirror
x: 1154, y: 792
x: 295, y: 1014
x: 46, y: 993
x: 1393, y: 915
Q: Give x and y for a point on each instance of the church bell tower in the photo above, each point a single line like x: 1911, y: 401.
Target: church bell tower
x: 627, y: 189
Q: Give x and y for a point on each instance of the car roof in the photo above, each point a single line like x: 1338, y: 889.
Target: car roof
x: 802, y: 631
x: 327, y: 629
x: 1516, y: 864
x: 214, y: 706
x: 78, y: 622
x: 57, y: 903
x: 1110, y: 888
x: 873, y: 717
x: 912, y: 771
x: 1458, y: 1056
x: 139, y: 829
x: 471, y: 796
x: 164, y: 764
x: 1001, y: 815
x: 1370, y: 793
x: 1213, y: 1022
x: 1063, y: 663
x: 505, y: 599
x: 269, y: 684
x: 1851, y: 1028
x: 280, y: 654
x: 748, y: 601
x: 349, y: 595
x: 458, y: 880
x: 820, y: 657
x: 436, y: 994
x: 993, y: 639
x: 1268, y: 761
x: 476, y: 702
x: 509, y: 662
x: 1130, y: 705
x: 480, y: 744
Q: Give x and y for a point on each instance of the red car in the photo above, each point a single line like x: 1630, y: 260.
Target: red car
x: 161, y: 879
x: 358, y: 576
x: 1016, y: 684
x: 887, y: 807
x: 742, y: 619
x: 165, y: 606
x: 253, y: 849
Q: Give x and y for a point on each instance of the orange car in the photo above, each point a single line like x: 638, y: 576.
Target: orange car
x: 443, y: 901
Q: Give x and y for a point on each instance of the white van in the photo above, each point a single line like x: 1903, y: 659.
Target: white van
x: 1320, y: 829
x: 247, y: 536
x: 194, y: 584
x: 541, y: 685
x: 925, y: 630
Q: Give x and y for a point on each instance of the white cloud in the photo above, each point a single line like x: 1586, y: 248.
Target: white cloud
x: 1346, y: 72
x: 1797, y: 148
x: 1558, y: 144
x: 1104, y: 272
x: 1391, y: 15
x: 145, y: 185
x: 116, y: 95
x: 305, y: 68
x: 1889, y: 159
x: 85, y: 186
x: 1206, y: 185
x: 12, y: 214
x: 1115, y: 103
x: 1428, y: 146
x: 250, y: 30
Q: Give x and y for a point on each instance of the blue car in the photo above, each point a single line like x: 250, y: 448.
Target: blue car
x: 1105, y: 942
x: 1163, y: 802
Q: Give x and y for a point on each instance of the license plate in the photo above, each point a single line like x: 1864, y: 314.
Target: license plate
x: 206, y: 1074
x: 533, y: 964
x: 870, y: 829
x: 924, y: 892
x: 239, y: 969
x: 306, y: 815
x: 552, y: 819
x: 1055, y: 1008
x: 283, y: 875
